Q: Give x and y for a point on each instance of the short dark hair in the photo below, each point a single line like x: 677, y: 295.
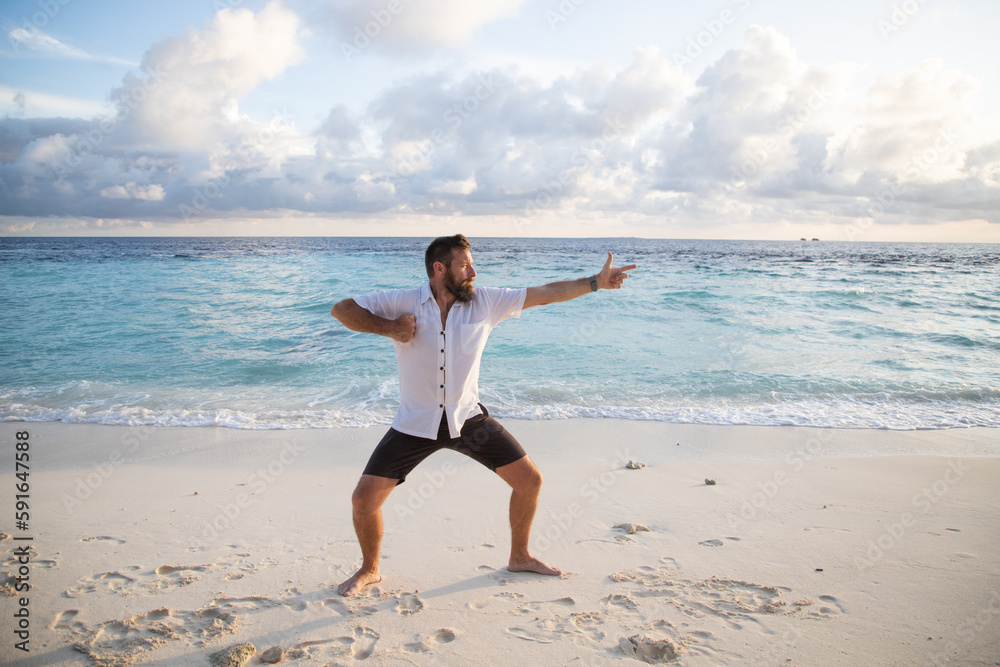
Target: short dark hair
x: 440, y: 251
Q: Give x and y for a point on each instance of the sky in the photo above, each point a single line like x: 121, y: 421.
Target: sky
x: 858, y: 120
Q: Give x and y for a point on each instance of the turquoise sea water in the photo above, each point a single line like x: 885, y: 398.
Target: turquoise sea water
x: 237, y: 332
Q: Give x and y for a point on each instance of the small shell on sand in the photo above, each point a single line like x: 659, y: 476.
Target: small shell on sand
x: 710, y: 482
x: 632, y: 528
x: 234, y: 656
x: 634, y: 465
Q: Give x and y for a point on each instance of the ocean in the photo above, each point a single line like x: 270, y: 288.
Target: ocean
x: 237, y: 332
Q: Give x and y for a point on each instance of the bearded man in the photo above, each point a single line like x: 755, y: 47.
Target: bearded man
x: 439, y: 332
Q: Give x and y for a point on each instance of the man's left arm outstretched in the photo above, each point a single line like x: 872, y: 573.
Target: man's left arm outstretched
x: 610, y: 277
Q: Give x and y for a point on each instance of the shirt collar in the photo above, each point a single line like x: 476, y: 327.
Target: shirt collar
x: 425, y: 293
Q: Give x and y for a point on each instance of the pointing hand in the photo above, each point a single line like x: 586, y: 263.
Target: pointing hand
x: 612, y: 277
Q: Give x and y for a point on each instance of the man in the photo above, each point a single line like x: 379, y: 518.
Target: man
x: 439, y: 332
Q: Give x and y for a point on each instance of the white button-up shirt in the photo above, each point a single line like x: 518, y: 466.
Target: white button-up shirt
x: 439, y: 367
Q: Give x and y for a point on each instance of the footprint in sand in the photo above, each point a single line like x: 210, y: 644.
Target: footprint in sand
x: 589, y: 624
x: 297, y: 605
x: 168, y: 576
x: 32, y: 557
x: 305, y: 649
x: 718, y: 543
x: 581, y: 627
x: 731, y: 601
x: 114, y: 582
x: 505, y: 595
x: 530, y: 635
x: 175, y: 570
x: 337, y: 606
x: 528, y: 608
x: 408, y: 604
x: 499, y: 577
x: 621, y: 601
x: 125, y: 642
x: 349, y: 606
x: 442, y: 636
x: 12, y: 559
x: 102, y: 538
x: 65, y: 621
x: 828, y: 608
x: 362, y: 645
x: 245, y: 605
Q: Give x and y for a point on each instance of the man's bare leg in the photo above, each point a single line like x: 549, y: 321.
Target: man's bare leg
x: 367, y: 500
x: 525, y: 482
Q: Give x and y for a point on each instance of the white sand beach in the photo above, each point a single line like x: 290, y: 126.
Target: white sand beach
x: 163, y: 546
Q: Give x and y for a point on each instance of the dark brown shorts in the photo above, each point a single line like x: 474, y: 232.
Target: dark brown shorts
x: 483, y: 439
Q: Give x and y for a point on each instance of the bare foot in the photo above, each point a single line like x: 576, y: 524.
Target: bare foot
x: 358, y: 582
x: 532, y: 564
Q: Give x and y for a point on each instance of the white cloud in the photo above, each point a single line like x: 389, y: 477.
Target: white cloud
x: 761, y: 138
x: 22, y: 103
x: 191, y: 98
x: 152, y: 192
x: 35, y: 40
x: 468, y: 186
x: 908, y: 114
x: 413, y: 25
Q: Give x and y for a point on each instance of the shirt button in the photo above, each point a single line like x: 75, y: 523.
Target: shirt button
x: 441, y: 369
x: 441, y: 405
x: 442, y: 386
x: 442, y: 350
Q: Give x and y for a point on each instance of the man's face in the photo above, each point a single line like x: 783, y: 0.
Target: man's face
x: 458, y: 277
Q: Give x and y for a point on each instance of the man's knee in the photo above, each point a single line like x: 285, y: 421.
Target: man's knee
x: 528, y: 478
x: 368, y: 496
x: 535, y: 480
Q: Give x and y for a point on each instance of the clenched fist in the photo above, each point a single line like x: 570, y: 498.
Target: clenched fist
x: 404, y: 328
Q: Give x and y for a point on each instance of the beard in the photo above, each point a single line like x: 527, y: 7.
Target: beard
x: 463, y: 292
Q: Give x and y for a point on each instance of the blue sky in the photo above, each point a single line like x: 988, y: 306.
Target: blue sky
x: 736, y: 119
